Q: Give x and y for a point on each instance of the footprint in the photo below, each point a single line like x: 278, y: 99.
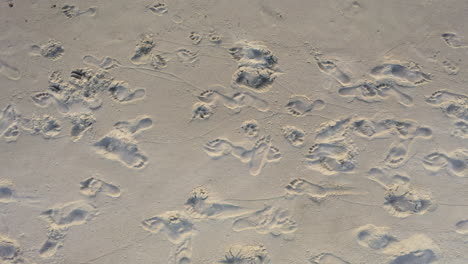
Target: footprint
x: 219, y: 147
x: 6, y: 192
x: 80, y: 124
x: 454, y: 163
x: 262, y: 153
x: 397, y: 155
x: 201, y: 205
x: 461, y: 227
x: 46, y: 126
x: 52, y: 49
x: 409, y: 73
x: 120, y: 145
x: 377, y: 91
x: 327, y: 258
x: 10, y: 251
x: 70, y: 214
x: 257, y: 79
x: 316, y: 192
x: 55, y: 238
x: 333, y: 130
x: 450, y: 67
x: 417, y: 249
x: 374, y: 237
x: 250, y: 128
x: 416, y: 257
x: 256, y: 66
x: 195, y: 37
x: 158, y: 61
x: 453, y: 40
x: 461, y: 130
x: 92, y: 186
x: 269, y: 220
x: 333, y: 151
x: 158, y: 8
x: 106, y: 63
x: 202, y: 111
x: 385, y: 180
x: 295, y: 136
x: 300, y: 105
x: 452, y: 104
x: 9, y: 118
x: 187, y: 56
x: 9, y: 71
x: 328, y: 66
x: 60, y: 219
x: 332, y: 158
x: 77, y: 95
x: 215, y: 38
x: 72, y: 11
x: 246, y: 254
x: 178, y: 229
x: 401, y: 200
x: 121, y: 92
x: 143, y: 49
x: 246, y: 99
x: 175, y: 225
x: 211, y: 98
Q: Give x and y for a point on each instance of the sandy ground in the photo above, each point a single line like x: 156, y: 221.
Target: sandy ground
x: 323, y: 132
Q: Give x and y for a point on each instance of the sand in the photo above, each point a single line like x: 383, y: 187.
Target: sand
x: 287, y: 132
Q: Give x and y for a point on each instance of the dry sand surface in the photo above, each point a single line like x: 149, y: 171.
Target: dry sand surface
x: 236, y: 132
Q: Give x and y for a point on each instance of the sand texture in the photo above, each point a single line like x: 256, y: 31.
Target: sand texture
x: 235, y: 132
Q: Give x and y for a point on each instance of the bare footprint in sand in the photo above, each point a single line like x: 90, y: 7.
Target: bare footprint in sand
x: 329, y: 67
x: 454, y: 163
x: 416, y: 249
x: 60, y: 219
x: 376, y: 91
x: 210, y: 99
x: 256, y: 66
x: 317, y: 192
x: 294, y: 136
x: 122, y: 93
x: 9, y: 71
x: 11, y: 252
x: 300, y: 105
x: 202, y: 205
x: 374, y: 237
x: 178, y: 229
x: 401, y: 199
x: 80, y: 124
x: 106, y: 63
x: 72, y: 11
x: 158, y: 8
x: 143, y: 49
x: 9, y: 123
x: 120, y: 143
x: 250, y: 128
x: 257, y: 157
x: 452, y: 104
x: 333, y: 150
x: 453, y: 40
x: 246, y: 254
x: 52, y: 49
x: 269, y: 220
x: 93, y: 186
x: 47, y: 126
x: 461, y: 227
x: 403, y: 73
